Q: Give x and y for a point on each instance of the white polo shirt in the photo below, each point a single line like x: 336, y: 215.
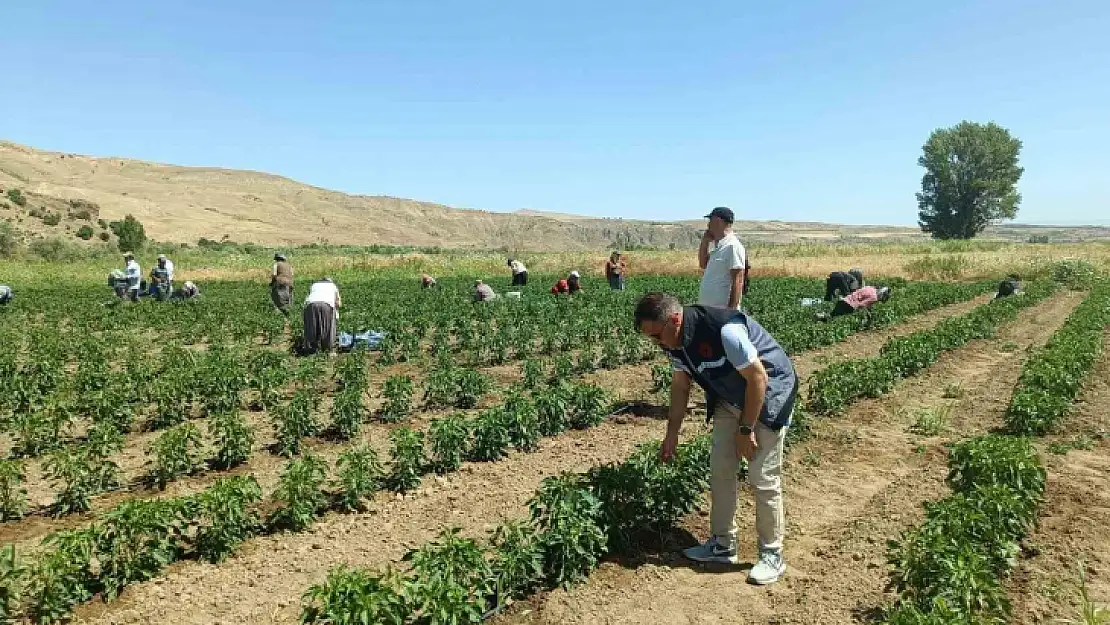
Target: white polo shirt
x: 322, y: 292
x: 716, y: 282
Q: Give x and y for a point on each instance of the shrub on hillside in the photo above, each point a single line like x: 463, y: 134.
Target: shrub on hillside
x: 51, y: 219
x: 16, y: 196
x: 85, y: 232
x: 130, y: 233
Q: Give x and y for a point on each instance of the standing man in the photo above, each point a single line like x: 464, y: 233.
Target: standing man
x: 737, y: 362
x: 134, y: 275
x: 520, y: 272
x: 281, y: 283
x: 321, y: 315
x: 722, y: 259
x: 614, y: 271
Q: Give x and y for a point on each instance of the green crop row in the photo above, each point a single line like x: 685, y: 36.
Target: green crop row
x: 1051, y: 379
x: 575, y: 520
x: 136, y: 540
x: 950, y: 569
x: 839, y: 384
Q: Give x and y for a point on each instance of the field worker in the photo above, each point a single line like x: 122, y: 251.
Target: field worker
x: 134, y: 275
x: 860, y: 299
x: 841, y: 283
x: 573, y: 282
x: 166, y: 264
x: 188, y: 290
x: 615, y: 271
x: 281, y: 283
x: 427, y: 282
x: 160, y: 287
x: 520, y: 272
x: 483, y: 292
x: 750, y: 386
x: 1010, y: 286
x: 5, y: 294
x: 722, y: 259
x: 321, y: 312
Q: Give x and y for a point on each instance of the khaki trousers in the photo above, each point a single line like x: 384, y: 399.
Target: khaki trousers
x: 764, y: 476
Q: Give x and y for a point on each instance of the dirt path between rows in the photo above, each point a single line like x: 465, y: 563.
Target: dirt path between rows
x: 266, y: 467
x: 263, y: 583
x: 857, y: 483
x: 1075, y: 518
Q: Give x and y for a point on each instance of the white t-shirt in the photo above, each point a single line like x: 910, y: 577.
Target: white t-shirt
x: 169, y: 269
x: 134, y: 274
x: 323, y: 292
x: 716, y: 282
x: 517, y: 267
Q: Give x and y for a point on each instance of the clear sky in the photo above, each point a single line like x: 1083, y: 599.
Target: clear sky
x: 797, y: 110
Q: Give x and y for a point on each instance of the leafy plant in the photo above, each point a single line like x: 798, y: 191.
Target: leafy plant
x: 12, y: 576
x: 517, y: 564
x: 451, y: 580
x: 408, y: 459
x: 490, y: 436
x: 360, y: 476
x: 448, y: 437
x: 356, y: 597
x: 553, y: 409
x: 13, y: 496
x: 300, y: 493
x: 589, y: 406
x: 137, y: 539
x: 471, y: 387
x: 930, y: 421
x: 532, y: 373
x: 295, y: 421
x: 398, y: 398
x: 661, y: 378
x: 176, y: 452
x: 522, y: 421
x: 348, y: 413
x: 234, y: 438
x: 227, y: 516
x: 62, y: 577
x: 569, y: 518
x: 79, y: 474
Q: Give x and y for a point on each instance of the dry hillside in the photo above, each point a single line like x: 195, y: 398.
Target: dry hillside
x: 183, y: 204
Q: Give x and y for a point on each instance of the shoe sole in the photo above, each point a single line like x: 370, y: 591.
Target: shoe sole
x: 714, y: 559
x: 766, y: 582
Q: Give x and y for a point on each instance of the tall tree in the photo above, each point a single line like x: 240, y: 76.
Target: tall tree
x: 971, y: 175
x: 130, y: 232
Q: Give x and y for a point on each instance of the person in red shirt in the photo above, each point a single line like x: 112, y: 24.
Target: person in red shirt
x: 860, y: 299
x: 426, y: 281
x: 569, y: 286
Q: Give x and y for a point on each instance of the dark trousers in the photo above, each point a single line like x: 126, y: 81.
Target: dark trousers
x: 319, y: 328
x: 520, y: 279
x: 841, y: 308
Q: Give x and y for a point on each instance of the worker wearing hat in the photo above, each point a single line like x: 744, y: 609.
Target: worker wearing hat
x: 722, y: 259
x: 134, y: 275
x: 281, y: 283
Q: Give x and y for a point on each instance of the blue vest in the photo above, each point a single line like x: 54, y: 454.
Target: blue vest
x: 703, y: 353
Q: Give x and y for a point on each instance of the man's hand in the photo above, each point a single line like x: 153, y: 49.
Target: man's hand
x: 746, y: 446
x: 666, y: 451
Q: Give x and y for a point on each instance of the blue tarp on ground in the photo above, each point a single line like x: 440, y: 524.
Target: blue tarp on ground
x: 363, y: 340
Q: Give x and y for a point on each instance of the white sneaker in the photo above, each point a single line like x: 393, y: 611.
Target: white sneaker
x: 770, y: 568
x: 712, y: 551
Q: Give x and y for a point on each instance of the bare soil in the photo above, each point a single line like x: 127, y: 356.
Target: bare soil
x: 857, y: 483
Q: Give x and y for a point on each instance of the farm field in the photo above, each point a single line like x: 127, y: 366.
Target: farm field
x: 175, y: 463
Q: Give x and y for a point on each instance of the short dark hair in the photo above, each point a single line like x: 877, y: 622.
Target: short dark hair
x: 656, y: 306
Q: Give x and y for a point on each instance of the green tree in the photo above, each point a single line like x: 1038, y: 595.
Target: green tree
x: 9, y: 242
x: 971, y: 171
x: 130, y: 234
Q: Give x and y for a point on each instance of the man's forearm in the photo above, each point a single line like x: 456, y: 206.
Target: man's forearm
x: 753, y: 401
x: 680, y: 396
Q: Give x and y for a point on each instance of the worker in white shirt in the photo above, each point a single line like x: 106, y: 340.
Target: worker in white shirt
x: 5, y: 294
x: 722, y: 259
x: 134, y: 276
x: 321, y: 314
x: 520, y: 272
x: 166, y: 264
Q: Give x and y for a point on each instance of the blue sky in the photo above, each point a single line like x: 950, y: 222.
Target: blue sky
x: 794, y: 110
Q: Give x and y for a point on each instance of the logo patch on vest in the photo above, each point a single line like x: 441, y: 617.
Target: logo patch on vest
x: 705, y: 350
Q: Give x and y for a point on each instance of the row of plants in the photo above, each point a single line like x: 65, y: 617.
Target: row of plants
x: 950, y: 570
x: 1051, y: 379
x: 71, y: 568
x: 841, y: 383
x: 575, y: 520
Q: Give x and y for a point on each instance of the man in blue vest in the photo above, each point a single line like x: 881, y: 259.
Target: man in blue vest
x: 750, y: 388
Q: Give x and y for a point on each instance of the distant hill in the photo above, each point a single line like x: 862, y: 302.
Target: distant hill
x: 184, y: 204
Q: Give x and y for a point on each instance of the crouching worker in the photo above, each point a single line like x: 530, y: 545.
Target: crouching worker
x: 5, y: 294
x: 321, y: 313
x: 427, y: 282
x: 187, y: 291
x: 1010, y: 286
x: 737, y: 362
x: 860, y: 299
x: 841, y: 283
